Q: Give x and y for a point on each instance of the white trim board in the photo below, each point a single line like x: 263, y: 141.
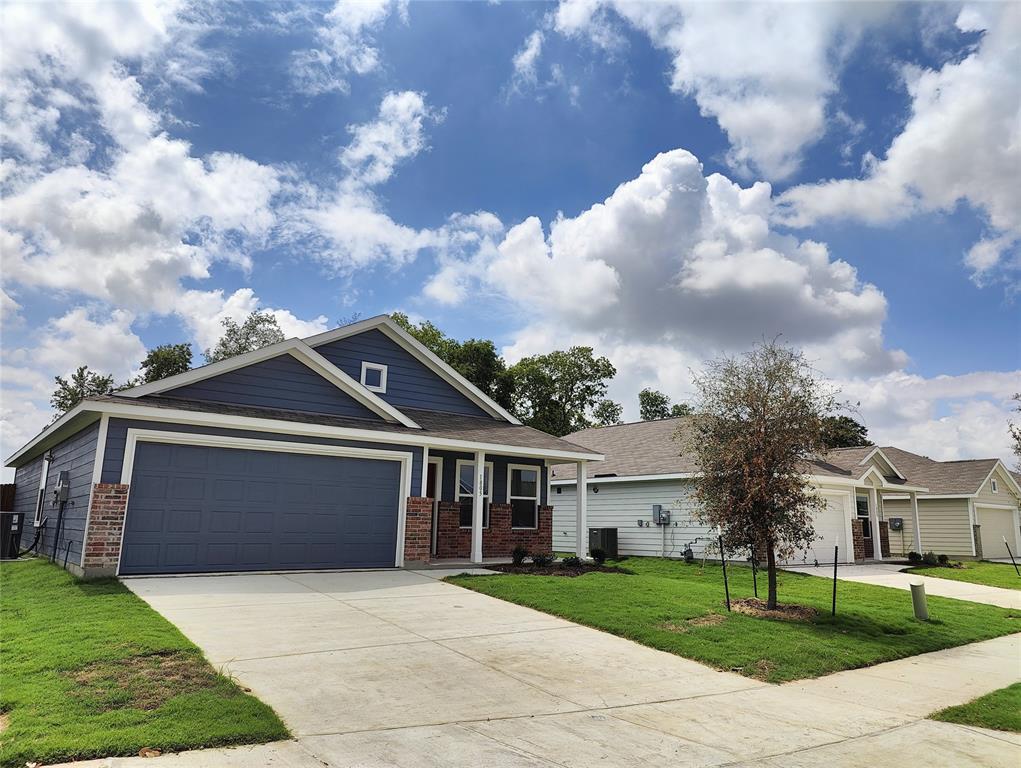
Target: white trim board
x: 297, y: 349
x: 134, y: 436
x: 386, y: 325
x: 198, y: 418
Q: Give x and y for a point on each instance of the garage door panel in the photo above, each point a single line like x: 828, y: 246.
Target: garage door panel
x: 237, y: 516
x: 184, y: 520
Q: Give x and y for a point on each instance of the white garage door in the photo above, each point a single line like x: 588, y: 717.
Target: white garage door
x: 996, y: 525
x: 830, y: 530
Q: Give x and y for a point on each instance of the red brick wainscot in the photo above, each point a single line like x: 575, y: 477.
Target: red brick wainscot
x: 884, y: 538
x: 418, y: 529
x: 498, y: 540
x: 859, y: 541
x: 105, y: 529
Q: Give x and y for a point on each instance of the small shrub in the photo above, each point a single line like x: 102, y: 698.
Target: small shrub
x: 943, y: 560
x: 929, y: 558
x: 599, y: 555
x: 519, y: 555
x: 914, y: 558
x: 572, y: 562
x: 543, y: 558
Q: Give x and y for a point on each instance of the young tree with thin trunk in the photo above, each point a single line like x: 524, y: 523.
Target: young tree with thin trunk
x: 758, y: 419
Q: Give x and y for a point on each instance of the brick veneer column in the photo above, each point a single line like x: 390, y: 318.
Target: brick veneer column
x: 451, y: 539
x: 858, y: 535
x: 418, y: 525
x: 884, y: 538
x: 106, y: 528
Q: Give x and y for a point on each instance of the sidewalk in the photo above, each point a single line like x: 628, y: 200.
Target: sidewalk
x: 889, y: 575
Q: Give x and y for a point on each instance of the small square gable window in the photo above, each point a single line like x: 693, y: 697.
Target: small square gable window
x: 374, y: 377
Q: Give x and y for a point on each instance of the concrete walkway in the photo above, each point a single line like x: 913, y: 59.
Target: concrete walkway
x: 890, y: 575
x: 399, y: 670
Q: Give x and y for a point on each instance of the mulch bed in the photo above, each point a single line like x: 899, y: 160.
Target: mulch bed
x: 752, y: 606
x: 555, y: 569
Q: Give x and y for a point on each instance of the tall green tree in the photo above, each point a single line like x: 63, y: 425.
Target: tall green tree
x: 82, y: 383
x: 259, y: 329
x: 557, y: 391
x: 165, y: 360
x: 844, y: 432
x: 680, y: 409
x: 653, y: 405
x: 758, y: 419
x: 607, y: 413
x: 475, y: 359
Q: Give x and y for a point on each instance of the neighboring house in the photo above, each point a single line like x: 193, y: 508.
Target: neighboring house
x: 863, y: 489
x: 354, y: 448
x: 971, y: 507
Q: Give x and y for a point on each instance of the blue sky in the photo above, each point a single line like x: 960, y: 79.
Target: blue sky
x: 664, y: 182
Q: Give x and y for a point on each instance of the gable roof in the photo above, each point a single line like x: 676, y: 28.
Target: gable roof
x: 386, y: 325
x: 946, y: 478
x: 433, y: 428
x: 297, y: 349
x: 651, y: 448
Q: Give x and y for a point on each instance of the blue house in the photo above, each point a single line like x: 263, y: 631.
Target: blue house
x: 354, y: 448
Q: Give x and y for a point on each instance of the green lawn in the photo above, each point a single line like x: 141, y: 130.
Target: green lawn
x: 680, y: 608
x: 999, y: 710
x: 90, y: 670
x: 990, y: 574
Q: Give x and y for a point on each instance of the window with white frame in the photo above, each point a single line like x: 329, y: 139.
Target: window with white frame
x: 992, y: 484
x: 466, y: 491
x: 861, y: 504
x: 374, y: 376
x: 523, y: 495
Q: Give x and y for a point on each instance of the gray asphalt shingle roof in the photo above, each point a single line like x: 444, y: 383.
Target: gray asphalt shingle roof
x: 652, y: 448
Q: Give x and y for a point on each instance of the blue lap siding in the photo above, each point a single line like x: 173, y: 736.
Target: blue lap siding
x: 76, y: 454
x: 499, y: 495
x: 280, y: 382
x: 409, y: 383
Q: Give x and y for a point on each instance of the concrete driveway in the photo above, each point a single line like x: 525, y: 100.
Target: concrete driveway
x: 890, y: 575
x: 396, y: 668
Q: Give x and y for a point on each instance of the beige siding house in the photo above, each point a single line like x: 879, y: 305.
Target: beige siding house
x: 971, y: 509
x: 880, y: 502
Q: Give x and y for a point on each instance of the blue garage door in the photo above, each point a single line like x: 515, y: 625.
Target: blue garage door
x: 199, y: 509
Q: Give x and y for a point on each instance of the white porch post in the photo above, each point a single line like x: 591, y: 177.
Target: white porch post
x: 877, y: 547
x: 581, y: 511
x: 914, y: 515
x: 477, y: 499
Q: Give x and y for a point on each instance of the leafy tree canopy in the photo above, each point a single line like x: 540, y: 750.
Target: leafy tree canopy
x: 259, y: 329
x: 555, y: 392
x: 1015, y: 433
x: 475, y: 359
x: 758, y: 419
x: 165, y: 360
x: 82, y: 383
x: 654, y: 405
x: 844, y: 432
x: 607, y: 413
